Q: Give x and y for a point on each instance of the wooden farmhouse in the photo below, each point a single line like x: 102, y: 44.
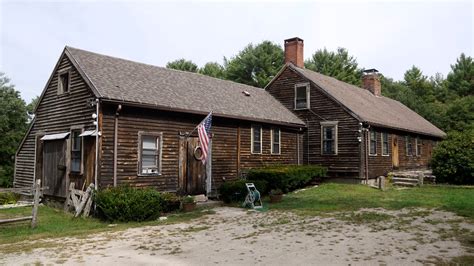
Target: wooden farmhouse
x: 111, y: 121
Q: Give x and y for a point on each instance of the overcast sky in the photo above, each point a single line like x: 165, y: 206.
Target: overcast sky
x: 389, y: 36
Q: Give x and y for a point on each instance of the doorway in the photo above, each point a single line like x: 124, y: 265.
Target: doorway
x: 54, y: 167
x: 395, y: 159
x: 192, y: 180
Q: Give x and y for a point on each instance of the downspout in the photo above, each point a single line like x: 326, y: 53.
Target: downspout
x: 366, y: 137
x: 117, y: 113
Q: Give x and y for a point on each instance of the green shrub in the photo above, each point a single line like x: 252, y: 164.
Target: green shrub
x: 287, y: 177
x: 171, y: 202
x: 8, y: 198
x: 126, y: 204
x: 453, y: 159
x: 235, y: 191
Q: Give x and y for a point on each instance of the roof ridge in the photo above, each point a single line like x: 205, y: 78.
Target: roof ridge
x: 160, y: 67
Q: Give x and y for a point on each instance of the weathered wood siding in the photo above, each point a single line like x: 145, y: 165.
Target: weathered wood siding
x: 322, y: 108
x: 55, y: 114
x: 382, y: 164
x: 227, y: 157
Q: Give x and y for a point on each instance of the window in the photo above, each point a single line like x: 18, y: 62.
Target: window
x: 150, y: 154
x: 275, y: 141
x: 329, y: 138
x: 418, y: 146
x: 373, y: 143
x: 301, y: 96
x: 409, y: 146
x: 76, y: 150
x: 63, y: 82
x: 384, y: 144
x: 256, y: 142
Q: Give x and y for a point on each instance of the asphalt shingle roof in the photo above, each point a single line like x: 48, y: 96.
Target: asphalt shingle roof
x: 375, y: 110
x: 128, y: 81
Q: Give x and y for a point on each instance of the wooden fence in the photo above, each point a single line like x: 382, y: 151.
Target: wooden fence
x: 36, y: 191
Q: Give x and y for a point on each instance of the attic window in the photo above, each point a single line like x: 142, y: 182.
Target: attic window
x: 63, y: 82
x: 301, y: 96
x: 246, y: 93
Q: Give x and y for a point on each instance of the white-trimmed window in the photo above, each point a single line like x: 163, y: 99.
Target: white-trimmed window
x: 256, y: 135
x: 64, y: 82
x: 76, y: 151
x: 150, y: 153
x: 275, y: 137
x: 329, y: 138
x: 373, y: 143
x: 302, y: 96
x: 385, y: 144
x: 408, y: 146
x: 418, y: 146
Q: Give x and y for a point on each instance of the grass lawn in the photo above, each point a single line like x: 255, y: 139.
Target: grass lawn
x: 348, y: 197
x: 56, y: 223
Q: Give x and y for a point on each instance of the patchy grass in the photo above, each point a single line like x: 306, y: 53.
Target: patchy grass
x: 365, y: 217
x: 348, y: 197
x: 56, y: 223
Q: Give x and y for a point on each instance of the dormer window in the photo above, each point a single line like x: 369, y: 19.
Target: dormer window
x: 63, y: 82
x: 301, y: 96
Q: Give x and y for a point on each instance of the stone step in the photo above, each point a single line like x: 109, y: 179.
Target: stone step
x: 404, y: 179
x: 405, y: 184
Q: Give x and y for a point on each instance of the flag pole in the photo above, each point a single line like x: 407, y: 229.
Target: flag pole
x: 188, y: 135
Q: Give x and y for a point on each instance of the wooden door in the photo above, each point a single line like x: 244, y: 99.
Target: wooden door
x: 395, y: 160
x: 54, y: 167
x: 193, y: 172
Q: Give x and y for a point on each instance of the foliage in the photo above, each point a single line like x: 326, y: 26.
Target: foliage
x: 453, y: 159
x: 461, y: 78
x: 183, y: 65
x: 8, y: 198
x: 126, y: 204
x: 13, y: 124
x: 330, y: 197
x: 188, y: 199
x: 236, y: 191
x: 276, y: 192
x: 255, y: 65
x: 213, y: 69
x: 171, y: 202
x: 339, y: 65
x: 287, y: 177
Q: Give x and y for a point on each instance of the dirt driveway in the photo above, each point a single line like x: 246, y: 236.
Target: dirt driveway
x: 236, y: 236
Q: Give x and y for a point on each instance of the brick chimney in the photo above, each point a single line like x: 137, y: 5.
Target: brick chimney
x: 294, y: 51
x: 371, y: 81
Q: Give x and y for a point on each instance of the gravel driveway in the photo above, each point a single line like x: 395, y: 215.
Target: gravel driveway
x: 235, y: 236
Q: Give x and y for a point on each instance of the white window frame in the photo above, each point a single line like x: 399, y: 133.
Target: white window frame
x: 336, y: 136
x: 370, y: 142
x: 252, y: 139
x: 299, y: 85
x: 388, y: 143
x: 273, y: 141
x: 418, y: 150
x: 159, y: 143
x: 60, y: 84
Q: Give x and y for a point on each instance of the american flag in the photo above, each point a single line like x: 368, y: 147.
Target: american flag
x: 204, y: 131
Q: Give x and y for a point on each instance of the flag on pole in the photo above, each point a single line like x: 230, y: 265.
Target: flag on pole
x: 204, y: 131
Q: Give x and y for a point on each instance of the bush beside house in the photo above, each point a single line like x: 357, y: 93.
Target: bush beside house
x: 453, y: 159
x: 126, y: 204
x: 284, y: 178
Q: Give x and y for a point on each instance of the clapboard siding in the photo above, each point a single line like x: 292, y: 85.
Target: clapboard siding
x: 55, y: 114
x: 322, y: 108
x: 226, y: 163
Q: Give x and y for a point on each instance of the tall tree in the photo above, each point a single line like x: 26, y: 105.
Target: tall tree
x: 461, y: 77
x: 213, y: 69
x: 13, y: 124
x: 183, y: 65
x: 339, y: 65
x: 255, y: 65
